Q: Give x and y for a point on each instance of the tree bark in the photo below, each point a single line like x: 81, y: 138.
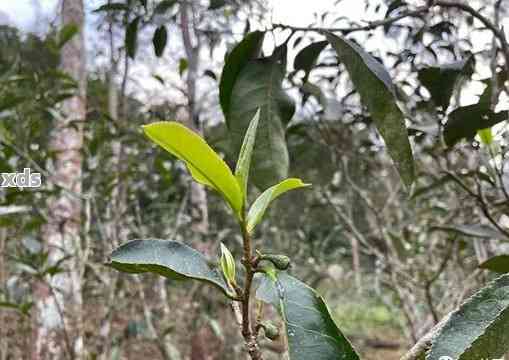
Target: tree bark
x: 58, y: 333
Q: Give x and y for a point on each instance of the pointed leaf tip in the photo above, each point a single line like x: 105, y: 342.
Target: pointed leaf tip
x: 246, y: 153
x: 263, y: 201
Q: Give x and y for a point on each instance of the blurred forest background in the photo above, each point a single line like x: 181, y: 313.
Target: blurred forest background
x: 76, y: 85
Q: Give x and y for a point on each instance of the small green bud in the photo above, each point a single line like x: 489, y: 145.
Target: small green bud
x: 281, y: 262
x: 270, y: 330
x: 227, y: 264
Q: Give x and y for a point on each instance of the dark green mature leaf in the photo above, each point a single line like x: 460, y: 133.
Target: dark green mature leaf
x: 112, y: 7
x: 159, y: 40
x: 479, y: 329
x: 377, y: 92
x: 441, y: 81
x: 476, y: 230
x: 259, y: 86
x: 486, y: 98
x: 307, y: 57
x: 464, y: 122
x: 498, y: 264
x: 131, y: 37
x: 216, y: 4
x: 311, y: 331
x: 167, y: 258
x: 246, y: 50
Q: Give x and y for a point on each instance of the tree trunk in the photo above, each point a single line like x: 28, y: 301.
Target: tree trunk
x: 197, y: 195
x: 58, y: 333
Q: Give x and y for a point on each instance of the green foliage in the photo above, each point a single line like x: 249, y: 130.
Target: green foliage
x: 479, y: 329
x: 464, y: 122
x: 204, y: 164
x: 312, y: 333
x: 227, y: 263
x: 499, y: 264
x: 442, y: 80
x: 378, y: 93
x: 307, y: 57
x: 246, y: 50
x: 67, y: 33
x: 473, y: 230
x: 112, y: 7
x: 131, y: 37
x: 263, y: 201
x: 159, y: 40
x: 259, y: 86
x: 167, y: 258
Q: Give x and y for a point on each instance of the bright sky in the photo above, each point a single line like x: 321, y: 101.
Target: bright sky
x: 23, y: 13
x: 31, y: 15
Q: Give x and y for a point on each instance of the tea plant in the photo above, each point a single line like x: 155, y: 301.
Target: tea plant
x: 249, y: 84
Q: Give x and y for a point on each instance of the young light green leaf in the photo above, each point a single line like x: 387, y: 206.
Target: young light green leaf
x: 479, y: 329
x: 261, y: 204
x: 486, y: 136
x: 205, y: 165
x: 167, y: 258
x: 227, y: 264
x: 246, y: 152
x: 311, y: 331
x: 378, y: 93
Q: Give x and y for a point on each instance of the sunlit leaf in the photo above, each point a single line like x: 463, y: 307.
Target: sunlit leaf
x: 263, y: 201
x: 486, y: 136
x: 112, y: 7
x: 202, y: 161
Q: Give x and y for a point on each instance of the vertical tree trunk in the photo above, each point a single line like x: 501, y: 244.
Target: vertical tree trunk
x: 59, y: 302
x: 197, y: 194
